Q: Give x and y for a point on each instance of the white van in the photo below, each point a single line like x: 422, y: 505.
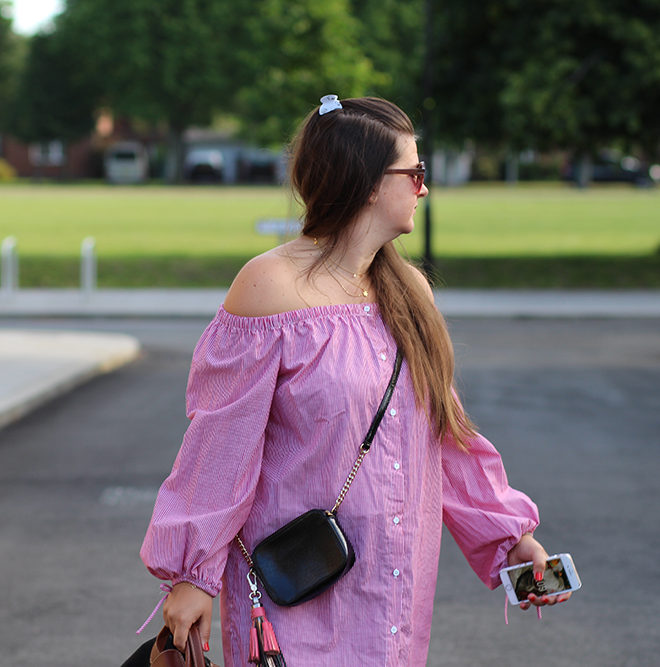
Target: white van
x: 126, y: 162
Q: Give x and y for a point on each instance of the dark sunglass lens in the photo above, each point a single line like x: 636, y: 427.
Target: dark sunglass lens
x: 420, y: 177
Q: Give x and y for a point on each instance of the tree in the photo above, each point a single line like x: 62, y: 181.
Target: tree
x: 392, y: 37
x: 163, y: 61
x: 514, y: 74
x: 467, y: 73
x: 292, y: 52
x: 590, y: 79
x: 11, y: 57
x: 51, y: 103
x: 180, y: 61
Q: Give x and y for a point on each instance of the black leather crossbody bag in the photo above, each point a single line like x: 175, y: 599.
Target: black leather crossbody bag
x: 310, y: 553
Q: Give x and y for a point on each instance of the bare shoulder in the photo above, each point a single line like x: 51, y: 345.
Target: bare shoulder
x: 266, y: 285
x: 423, y: 282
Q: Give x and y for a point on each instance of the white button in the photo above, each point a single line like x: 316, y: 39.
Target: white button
x: 397, y: 465
x: 383, y: 356
x: 396, y: 520
x: 396, y: 573
x: 393, y: 412
x: 367, y: 309
x: 394, y: 629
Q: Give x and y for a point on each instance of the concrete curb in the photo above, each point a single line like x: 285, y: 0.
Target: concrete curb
x: 452, y: 303
x: 37, y: 366
x: 112, y: 303
x: 549, y: 303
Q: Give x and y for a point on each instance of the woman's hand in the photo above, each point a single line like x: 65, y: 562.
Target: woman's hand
x: 528, y: 549
x: 185, y: 606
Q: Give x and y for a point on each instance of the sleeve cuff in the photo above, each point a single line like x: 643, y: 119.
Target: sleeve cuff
x: 208, y: 587
x: 503, y: 551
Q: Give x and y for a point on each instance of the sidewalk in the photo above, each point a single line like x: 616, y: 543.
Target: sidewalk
x: 452, y: 302
x: 36, y: 366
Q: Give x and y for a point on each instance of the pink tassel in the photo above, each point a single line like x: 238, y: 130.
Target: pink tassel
x: 264, y: 649
x: 271, y: 647
x: 255, y: 657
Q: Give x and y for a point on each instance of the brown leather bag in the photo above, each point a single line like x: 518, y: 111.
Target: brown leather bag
x: 163, y: 654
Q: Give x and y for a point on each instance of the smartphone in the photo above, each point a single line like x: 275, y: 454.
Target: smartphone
x: 560, y: 577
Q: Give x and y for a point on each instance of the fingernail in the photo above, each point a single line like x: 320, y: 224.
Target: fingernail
x: 206, y: 646
x: 531, y: 597
x: 538, y: 576
x: 545, y: 599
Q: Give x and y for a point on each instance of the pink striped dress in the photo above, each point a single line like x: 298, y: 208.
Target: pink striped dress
x: 279, y: 406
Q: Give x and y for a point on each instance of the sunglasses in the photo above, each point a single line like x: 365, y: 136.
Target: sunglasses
x: 417, y: 174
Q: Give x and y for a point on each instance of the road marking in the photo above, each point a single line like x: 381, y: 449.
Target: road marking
x: 127, y: 496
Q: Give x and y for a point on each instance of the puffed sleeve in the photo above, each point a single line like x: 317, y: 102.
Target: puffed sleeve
x: 208, y: 495
x: 483, y: 513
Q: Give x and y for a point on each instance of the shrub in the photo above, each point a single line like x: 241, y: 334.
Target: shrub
x: 7, y: 172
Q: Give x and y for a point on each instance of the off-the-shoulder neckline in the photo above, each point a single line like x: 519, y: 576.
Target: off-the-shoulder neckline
x: 289, y: 316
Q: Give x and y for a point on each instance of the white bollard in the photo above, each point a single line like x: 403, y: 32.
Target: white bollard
x: 88, y: 269
x: 9, y: 261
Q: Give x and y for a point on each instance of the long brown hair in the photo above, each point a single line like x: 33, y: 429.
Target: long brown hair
x: 338, y: 160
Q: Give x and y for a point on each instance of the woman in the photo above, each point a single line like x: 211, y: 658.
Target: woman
x: 283, y: 385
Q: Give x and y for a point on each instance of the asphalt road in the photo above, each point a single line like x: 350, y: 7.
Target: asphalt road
x: 573, y: 405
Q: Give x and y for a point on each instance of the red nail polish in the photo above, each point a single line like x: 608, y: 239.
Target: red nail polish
x: 206, y: 646
x: 538, y: 576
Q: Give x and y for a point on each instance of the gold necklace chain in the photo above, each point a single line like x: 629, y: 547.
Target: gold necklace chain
x: 363, y: 290
x: 357, y: 276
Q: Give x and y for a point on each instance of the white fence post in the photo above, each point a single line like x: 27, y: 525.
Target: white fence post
x: 9, y: 261
x: 88, y: 265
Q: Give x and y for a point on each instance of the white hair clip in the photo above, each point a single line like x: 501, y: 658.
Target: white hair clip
x: 329, y: 103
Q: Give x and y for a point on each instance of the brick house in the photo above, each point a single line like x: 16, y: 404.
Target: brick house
x: 78, y: 160
x: 50, y: 160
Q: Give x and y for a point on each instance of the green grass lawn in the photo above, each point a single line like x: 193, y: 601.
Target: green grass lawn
x: 140, y: 221
x: 535, y: 235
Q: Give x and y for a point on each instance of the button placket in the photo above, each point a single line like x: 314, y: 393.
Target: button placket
x: 395, y: 573
x: 393, y: 453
